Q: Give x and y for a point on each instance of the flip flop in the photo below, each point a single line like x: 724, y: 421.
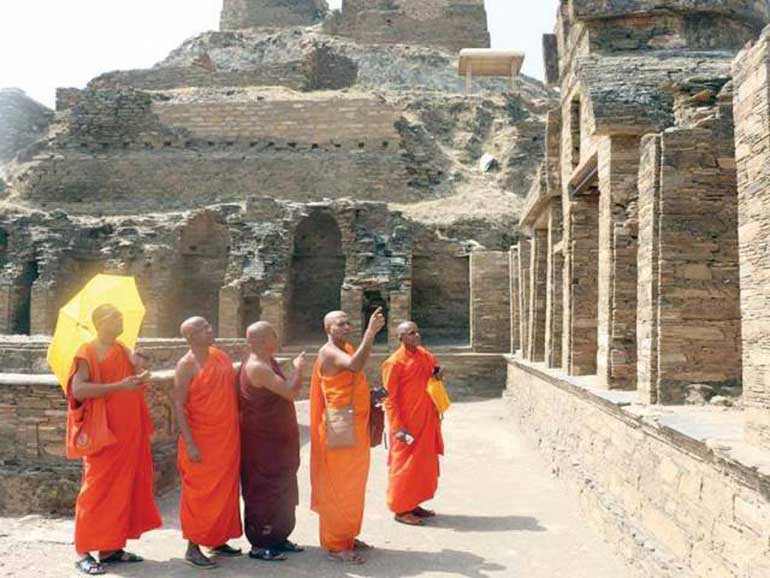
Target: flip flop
x: 346, y: 557
x: 421, y: 512
x: 226, y: 550
x: 89, y: 566
x: 408, y: 519
x: 361, y: 545
x: 121, y: 557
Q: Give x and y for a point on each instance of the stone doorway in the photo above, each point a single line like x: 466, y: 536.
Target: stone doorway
x: 371, y: 301
x: 317, y: 273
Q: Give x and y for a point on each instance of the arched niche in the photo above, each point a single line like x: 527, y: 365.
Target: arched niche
x: 316, y: 276
x: 204, y: 248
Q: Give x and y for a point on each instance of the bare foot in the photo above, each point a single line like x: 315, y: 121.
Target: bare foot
x: 346, y: 557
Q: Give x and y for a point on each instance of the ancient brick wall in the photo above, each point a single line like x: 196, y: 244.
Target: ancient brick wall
x: 689, y: 314
x: 439, y: 23
x: 22, y: 122
x: 237, y: 14
x: 554, y: 307
x: 490, y: 301
x: 672, y: 502
x: 752, y: 138
x: 289, y: 74
x: 345, y: 121
x: 441, y: 297
x: 538, y: 278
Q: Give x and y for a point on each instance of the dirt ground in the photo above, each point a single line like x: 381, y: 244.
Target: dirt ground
x: 501, y: 515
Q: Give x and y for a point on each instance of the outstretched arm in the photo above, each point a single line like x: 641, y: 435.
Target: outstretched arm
x: 342, y: 361
x: 267, y: 378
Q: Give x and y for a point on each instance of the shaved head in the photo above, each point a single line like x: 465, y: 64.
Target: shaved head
x: 331, y: 317
x: 190, y: 326
x: 405, y: 327
x: 259, y: 330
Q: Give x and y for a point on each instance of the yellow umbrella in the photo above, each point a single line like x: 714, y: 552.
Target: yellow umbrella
x: 74, y: 326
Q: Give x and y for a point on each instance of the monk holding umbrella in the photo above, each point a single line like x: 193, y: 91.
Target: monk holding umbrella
x: 108, y: 423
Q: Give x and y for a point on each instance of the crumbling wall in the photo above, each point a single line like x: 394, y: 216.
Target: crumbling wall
x: 237, y: 14
x: 440, y: 23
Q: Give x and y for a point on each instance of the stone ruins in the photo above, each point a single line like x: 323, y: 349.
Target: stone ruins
x: 605, y: 238
x: 639, y: 288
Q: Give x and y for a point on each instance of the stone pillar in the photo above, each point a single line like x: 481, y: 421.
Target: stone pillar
x: 400, y: 303
x: 274, y: 309
x: 6, y: 309
x: 581, y: 246
x: 352, y: 303
x: 554, y: 287
x: 513, y: 263
x: 230, y: 318
x: 618, y: 186
x: 490, y: 302
x: 689, y: 313
x: 538, y: 279
x: 43, y: 310
x: 751, y: 110
x: 524, y: 263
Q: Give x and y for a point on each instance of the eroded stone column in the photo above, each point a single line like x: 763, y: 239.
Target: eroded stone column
x: 538, y: 277
x: 554, y: 311
x: 352, y: 303
x: 400, y: 304
x: 524, y: 263
x: 230, y: 319
x: 618, y: 185
x: 579, y: 343
x: 274, y: 309
x: 43, y: 309
x: 490, y: 302
x: 751, y: 109
x: 513, y: 262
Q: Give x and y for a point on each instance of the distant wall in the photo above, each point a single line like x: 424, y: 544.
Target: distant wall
x: 237, y: 14
x: 440, y: 23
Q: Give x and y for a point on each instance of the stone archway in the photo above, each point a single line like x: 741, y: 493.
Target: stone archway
x: 316, y: 276
x: 204, y: 247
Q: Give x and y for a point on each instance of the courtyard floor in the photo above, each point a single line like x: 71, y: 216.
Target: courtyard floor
x: 501, y: 514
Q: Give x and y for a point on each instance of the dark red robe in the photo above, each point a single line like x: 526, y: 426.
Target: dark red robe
x: 269, y: 463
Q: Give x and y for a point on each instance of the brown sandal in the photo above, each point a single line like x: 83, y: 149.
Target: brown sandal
x: 409, y: 519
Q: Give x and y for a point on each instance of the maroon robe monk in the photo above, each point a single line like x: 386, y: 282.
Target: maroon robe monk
x: 269, y: 446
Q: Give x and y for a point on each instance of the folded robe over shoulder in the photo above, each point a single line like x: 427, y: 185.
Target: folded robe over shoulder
x: 413, y: 469
x: 210, y: 507
x: 338, y: 476
x: 116, y: 500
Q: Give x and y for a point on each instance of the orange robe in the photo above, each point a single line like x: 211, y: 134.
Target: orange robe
x: 210, y: 507
x: 413, y: 469
x: 338, y: 476
x: 116, y: 501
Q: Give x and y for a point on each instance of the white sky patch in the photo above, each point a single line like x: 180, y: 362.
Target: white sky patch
x: 45, y: 44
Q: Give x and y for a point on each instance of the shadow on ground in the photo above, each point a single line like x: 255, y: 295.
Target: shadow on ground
x: 382, y: 563
x: 487, y: 523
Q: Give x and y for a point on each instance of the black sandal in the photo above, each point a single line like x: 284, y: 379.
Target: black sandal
x: 289, y: 546
x: 88, y: 565
x: 122, y: 557
x: 226, y: 550
x: 267, y: 554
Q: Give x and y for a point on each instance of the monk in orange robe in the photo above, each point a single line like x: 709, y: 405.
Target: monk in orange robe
x: 414, y: 425
x: 338, y: 475
x: 209, y: 452
x: 116, y: 502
